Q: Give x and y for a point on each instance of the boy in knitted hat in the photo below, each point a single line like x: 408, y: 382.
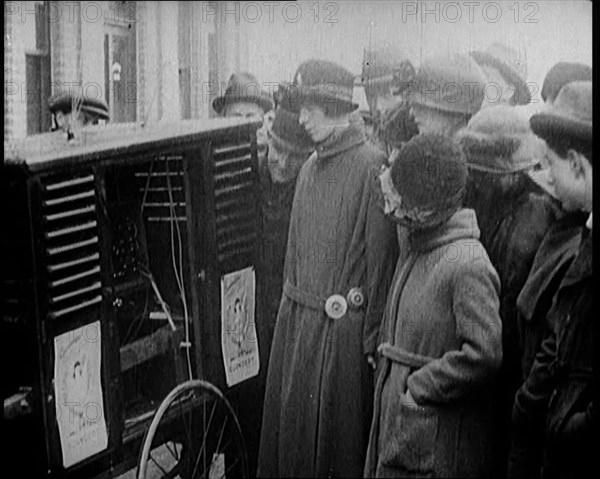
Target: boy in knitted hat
x: 337, y: 271
x: 447, y: 91
x: 554, y: 407
x: 514, y: 215
x: 440, y: 344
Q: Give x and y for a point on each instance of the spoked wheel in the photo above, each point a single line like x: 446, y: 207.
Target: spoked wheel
x: 194, y: 434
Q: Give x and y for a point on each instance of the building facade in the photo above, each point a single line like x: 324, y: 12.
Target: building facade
x: 149, y: 61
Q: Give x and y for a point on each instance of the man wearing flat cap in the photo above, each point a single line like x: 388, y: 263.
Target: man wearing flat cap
x: 386, y: 74
x: 555, y: 405
x: 339, y: 262
x: 71, y: 110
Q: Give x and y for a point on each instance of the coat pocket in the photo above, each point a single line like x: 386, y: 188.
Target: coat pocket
x: 408, y: 443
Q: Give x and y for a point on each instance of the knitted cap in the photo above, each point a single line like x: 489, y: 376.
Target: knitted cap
x: 429, y: 177
x: 499, y: 140
x: 449, y: 83
x: 561, y: 74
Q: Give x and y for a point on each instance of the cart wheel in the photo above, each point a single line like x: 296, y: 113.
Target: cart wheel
x: 194, y: 434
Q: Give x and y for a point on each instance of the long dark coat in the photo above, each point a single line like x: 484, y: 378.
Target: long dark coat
x: 319, y: 386
x: 557, y: 396
x: 554, y: 256
x: 513, y: 224
x: 442, y: 323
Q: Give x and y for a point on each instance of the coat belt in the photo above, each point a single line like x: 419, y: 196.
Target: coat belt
x: 402, y: 356
x: 302, y: 297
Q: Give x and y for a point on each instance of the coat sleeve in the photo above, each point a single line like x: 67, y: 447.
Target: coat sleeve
x: 479, y: 332
x: 529, y: 413
x: 381, y: 258
x: 533, y: 397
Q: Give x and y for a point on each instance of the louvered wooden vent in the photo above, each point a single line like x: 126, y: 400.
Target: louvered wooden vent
x: 71, y: 243
x: 235, y: 205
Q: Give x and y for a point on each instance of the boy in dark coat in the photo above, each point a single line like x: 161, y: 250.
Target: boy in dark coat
x: 514, y: 214
x: 441, y: 336
x: 555, y: 404
x: 559, y: 246
x: 338, y: 267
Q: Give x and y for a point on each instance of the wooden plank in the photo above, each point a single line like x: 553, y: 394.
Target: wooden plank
x: 160, y: 342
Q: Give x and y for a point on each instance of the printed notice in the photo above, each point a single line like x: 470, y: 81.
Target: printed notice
x: 238, y: 330
x: 78, y: 393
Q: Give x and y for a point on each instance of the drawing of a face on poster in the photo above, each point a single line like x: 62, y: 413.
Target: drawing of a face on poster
x: 78, y: 382
x: 239, y: 321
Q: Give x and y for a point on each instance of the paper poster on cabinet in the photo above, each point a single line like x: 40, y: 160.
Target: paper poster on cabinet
x: 78, y: 393
x: 238, y: 330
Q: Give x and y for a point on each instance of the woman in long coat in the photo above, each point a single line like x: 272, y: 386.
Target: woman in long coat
x: 319, y: 384
x: 441, y: 341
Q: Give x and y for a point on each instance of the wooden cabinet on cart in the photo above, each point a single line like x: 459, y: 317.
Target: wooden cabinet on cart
x: 115, y: 246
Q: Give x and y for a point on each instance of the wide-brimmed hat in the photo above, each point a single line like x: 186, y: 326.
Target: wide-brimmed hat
x: 287, y: 132
x: 94, y: 107
x: 569, y: 117
x: 323, y: 82
x: 386, y: 65
x: 500, y: 140
x: 243, y: 87
x: 511, y: 66
x: 561, y: 74
x: 453, y: 84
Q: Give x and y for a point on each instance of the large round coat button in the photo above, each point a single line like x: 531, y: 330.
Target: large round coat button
x: 336, y: 306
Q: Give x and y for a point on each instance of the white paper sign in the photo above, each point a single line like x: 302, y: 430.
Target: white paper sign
x: 78, y: 393
x: 238, y: 330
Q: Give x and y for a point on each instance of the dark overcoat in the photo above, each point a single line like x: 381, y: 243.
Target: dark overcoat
x: 442, y: 342
x: 557, y: 396
x: 319, y: 391
x: 554, y: 256
x: 513, y: 223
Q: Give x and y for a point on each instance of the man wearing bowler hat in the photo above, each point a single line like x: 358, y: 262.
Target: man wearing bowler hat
x: 339, y: 262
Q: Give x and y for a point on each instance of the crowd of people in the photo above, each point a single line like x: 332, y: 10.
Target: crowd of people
x: 428, y: 268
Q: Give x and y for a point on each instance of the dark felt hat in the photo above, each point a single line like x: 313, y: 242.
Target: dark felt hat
x: 324, y: 82
x: 569, y: 117
x: 94, y: 107
x: 452, y: 84
x: 243, y: 87
x: 386, y: 65
x: 561, y: 74
x: 510, y: 65
x: 286, y: 131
